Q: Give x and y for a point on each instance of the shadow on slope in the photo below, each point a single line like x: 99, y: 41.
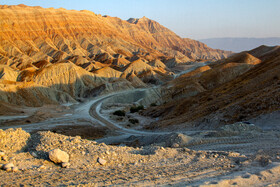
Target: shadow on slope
x: 250, y: 94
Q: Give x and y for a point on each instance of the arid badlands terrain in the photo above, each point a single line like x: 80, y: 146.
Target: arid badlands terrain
x: 91, y: 100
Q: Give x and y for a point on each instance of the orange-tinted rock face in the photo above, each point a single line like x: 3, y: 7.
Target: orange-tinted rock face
x: 41, y: 49
x: 29, y: 34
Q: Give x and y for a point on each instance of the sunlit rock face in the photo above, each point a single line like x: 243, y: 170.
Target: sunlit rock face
x: 57, y: 55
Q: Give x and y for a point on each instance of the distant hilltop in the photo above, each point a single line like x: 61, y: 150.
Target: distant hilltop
x: 240, y: 44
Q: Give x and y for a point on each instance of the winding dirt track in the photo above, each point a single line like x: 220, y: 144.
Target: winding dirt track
x: 242, y: 143
x: 94, y: 112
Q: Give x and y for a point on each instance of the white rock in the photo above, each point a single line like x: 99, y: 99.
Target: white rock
x: 101, y: 161
x: 42, y: 167
x: 58, y: 156
x: 65, y: 164
x: 34, y: 154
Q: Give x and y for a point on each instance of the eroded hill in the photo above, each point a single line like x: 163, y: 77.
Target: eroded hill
x: 59, y: 55
x: 238, y: 88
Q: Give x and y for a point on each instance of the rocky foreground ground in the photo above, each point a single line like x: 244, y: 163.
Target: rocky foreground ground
x: 93, y: 164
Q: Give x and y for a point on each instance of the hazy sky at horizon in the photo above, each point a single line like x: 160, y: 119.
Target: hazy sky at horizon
x: 197, y: 19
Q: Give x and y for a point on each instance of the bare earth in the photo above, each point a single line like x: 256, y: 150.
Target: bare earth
x: 234, y: 156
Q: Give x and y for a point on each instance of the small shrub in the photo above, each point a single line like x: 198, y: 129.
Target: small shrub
x: 133, y: 121
x: 119, y: 113
x: 153, y: 104
x: 209, y: 99
x: 275, y: 77
x: 134, y: 109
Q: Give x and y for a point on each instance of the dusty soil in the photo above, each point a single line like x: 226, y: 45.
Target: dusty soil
x: 84, y: 131
x: 142, y: 166
x: 34, y: 114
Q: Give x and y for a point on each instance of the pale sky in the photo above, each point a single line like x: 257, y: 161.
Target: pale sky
x: 196, y: 19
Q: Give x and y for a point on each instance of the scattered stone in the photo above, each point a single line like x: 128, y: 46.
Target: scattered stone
x: 233, y: 154
x: 215, y: 155
x: 174, y: 140
x: 175, y: 145
x: 8, y: 167
x: 241, y: 127
x: 42, y: 167
x: 5, y: 158
x: 34, y: 154
x: 58, y: 156
x: 264, y: 161
x: 65, y: 164
x: 15, y: 169
x: 101, y: 161
x: 76, y: 140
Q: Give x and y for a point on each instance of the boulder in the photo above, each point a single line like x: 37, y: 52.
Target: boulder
x: 58, y: 156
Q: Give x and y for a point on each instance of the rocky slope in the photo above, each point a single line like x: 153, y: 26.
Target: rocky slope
x: 97, y: 164
x: 30, y: 34
x: 235, y: 89
x: 180, y: 47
